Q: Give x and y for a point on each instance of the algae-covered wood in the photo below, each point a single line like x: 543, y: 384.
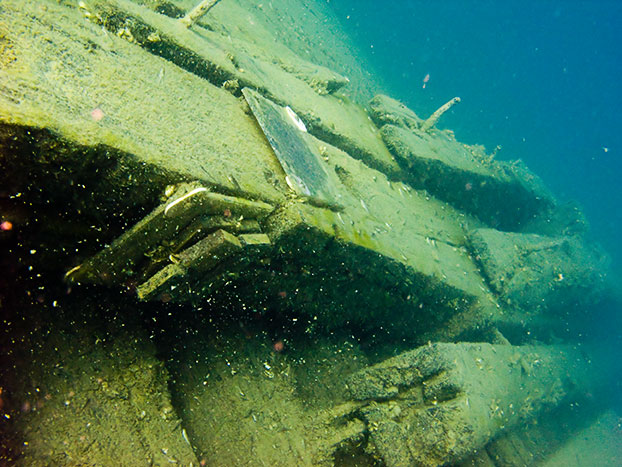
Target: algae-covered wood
x: 144, y: 202
x: 442, y: 402
x: 96, y: 89
x: 226, y: 58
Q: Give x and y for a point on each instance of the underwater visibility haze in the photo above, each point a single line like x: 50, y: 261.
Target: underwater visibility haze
x: 310, y: 233
x: 541, y: 79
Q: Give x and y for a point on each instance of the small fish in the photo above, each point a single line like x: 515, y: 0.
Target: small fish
x: 426, y: 79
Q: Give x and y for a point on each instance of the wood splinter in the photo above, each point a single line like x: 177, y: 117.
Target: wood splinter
x: 430, y: 122
x: 197, y: 12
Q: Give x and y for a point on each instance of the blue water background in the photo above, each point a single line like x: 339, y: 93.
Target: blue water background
x: 540, y: 78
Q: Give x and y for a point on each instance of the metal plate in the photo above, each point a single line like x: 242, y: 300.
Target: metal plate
x: 301, y: 161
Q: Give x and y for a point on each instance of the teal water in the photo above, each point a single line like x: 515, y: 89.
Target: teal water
x: 541, y: 79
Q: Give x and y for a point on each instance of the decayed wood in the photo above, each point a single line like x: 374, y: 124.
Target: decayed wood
x: 197, y: 12
x: 430, y: 122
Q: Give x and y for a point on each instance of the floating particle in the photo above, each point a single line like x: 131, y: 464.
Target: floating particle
x: 278, y: 346
x: 97, y: 114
